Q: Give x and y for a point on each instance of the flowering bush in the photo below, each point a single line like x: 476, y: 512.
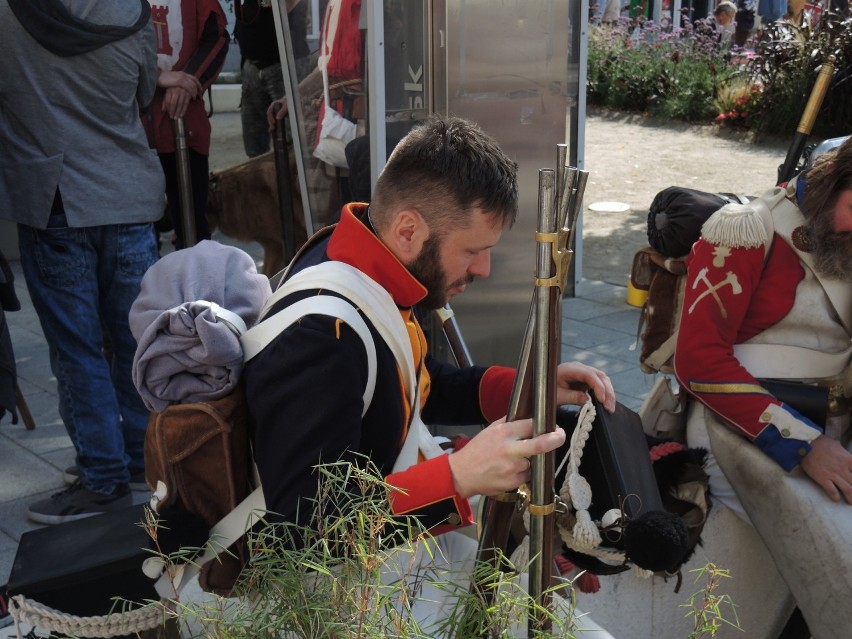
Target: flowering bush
x: 736, y: 103
x: 650, y: 67
x: 682, y: 74
x: 786, y: 63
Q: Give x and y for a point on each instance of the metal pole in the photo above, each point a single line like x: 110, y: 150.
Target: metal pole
x: 187, y: 204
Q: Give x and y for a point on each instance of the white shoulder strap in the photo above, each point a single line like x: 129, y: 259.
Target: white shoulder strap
x: 367, y: 296
x: 377, y: 304
x: 261, y: 335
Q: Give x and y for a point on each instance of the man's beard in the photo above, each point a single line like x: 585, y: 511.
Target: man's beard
x: 831, y: 250
x: 426, y: 268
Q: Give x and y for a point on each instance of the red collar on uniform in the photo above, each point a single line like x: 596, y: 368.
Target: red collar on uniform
x: 354, y: 243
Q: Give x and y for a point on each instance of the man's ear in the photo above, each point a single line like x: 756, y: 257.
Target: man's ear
x: 406, y: 235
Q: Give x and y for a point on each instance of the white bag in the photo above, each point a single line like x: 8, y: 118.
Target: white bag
x: 334, y: 131
x: 663, y: 412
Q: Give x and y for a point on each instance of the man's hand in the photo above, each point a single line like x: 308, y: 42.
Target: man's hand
x: 176, y: 102
x: 276, y: 111
x: 497, y: 458
x: 574, y: 379
x: 185, y: 81
x: 830, y: 466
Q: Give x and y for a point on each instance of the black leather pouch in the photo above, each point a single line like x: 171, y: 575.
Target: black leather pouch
x: 615, y: 462
x: 81, y: 567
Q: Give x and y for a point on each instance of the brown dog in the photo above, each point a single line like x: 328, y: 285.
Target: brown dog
x: 243, y: 204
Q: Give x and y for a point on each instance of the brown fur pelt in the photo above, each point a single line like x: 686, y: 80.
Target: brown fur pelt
x: 243, y: 200
x: 243, y: 204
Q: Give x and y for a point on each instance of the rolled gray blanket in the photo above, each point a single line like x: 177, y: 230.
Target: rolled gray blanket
x: 185, y: 353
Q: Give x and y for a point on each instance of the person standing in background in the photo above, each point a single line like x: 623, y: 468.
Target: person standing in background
x: 77, y: 176
x: 192, y: 42
x: 262, y: 78
x: 745, y: 20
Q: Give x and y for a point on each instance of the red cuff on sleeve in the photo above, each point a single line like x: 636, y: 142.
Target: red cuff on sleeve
x: 424, y: 486
x: 495, y: 389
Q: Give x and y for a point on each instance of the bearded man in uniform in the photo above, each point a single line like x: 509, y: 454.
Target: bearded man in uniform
x: 769, y: 297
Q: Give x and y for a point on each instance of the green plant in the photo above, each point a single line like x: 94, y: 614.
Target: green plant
x: 644, y: 67
x: 707, y: 608
x: 786, y: 64
x: 354, y: 570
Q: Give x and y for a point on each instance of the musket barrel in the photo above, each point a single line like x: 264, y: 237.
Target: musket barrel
x: 545, y: 361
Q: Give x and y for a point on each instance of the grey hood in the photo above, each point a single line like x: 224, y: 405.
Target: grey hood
x: 57, y: 29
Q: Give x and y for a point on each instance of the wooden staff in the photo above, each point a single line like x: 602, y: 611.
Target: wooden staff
x: 285, y: 195
x: 187, y: 204
x: 452, y: 332
x: 806, y: 123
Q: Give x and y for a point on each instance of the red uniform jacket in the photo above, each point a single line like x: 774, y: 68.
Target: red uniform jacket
x: 732, y: 294
x: 191, y: 37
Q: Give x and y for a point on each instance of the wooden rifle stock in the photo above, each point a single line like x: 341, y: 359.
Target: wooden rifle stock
x: 806, y: 123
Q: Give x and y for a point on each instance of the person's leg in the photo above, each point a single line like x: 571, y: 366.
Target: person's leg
x: 60, y: 268
x: 805, y: 532
x: 253, y: 104
x: 199, y: 176
x: 127, y: 251
x: 169, y: 163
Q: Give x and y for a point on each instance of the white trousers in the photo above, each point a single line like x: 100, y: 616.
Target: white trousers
x: 808, y: 535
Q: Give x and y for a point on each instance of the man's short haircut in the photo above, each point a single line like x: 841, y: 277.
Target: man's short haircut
x: 725, y: 7
x: 444, y: 168
x: 830, y: 175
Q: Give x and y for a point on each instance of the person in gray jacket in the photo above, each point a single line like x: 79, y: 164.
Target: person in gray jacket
x: 77, y: 176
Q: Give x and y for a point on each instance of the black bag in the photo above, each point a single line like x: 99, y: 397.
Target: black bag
x: 81, y: 567
x: 677, y: 215
x: 618, y: 468
x: 809, y: 400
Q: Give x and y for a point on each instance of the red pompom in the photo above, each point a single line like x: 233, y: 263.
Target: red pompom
x: 588, y: 582
x: 563, y: 564
x: 661, y: 450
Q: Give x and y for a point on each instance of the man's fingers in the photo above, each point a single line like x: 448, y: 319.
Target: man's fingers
x: 845, y: 490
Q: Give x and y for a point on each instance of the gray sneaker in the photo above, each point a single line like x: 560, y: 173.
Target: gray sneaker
x: 137, y: 480
x: 77, y: 502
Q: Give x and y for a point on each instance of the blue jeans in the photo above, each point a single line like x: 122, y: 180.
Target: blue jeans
x: 259, y: 88
x: 82, y: 282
